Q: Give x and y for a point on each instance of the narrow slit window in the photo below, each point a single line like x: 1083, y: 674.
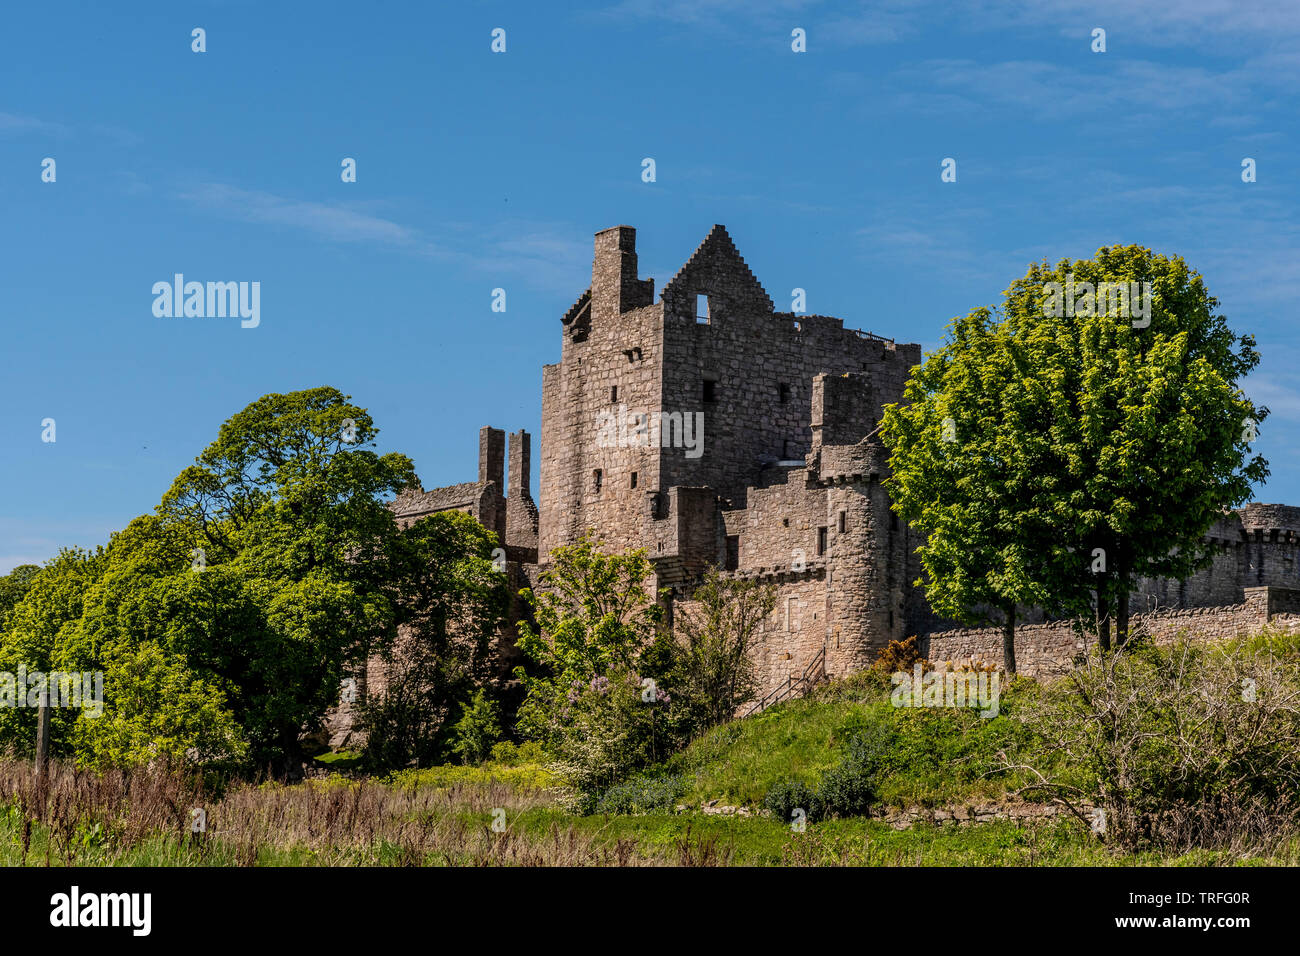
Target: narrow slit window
x: 597, y: 479
x: 710, y: 390
x: 634, y: 479
x: 702, y: 309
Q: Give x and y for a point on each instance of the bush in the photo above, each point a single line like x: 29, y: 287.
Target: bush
x: 790, y: 795
x: 477, y: 730
x: 607, y: 730
x: 641, y: 795
x: 849, y: 789
x: 509, y: 754
x: 1183, y: 747
x: 900, y: 656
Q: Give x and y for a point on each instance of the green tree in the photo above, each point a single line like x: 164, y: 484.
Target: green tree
x: 450, y: 600
x: 987, y: 517
x: 38, y: 628
x: 716, y: 633
x: 1097, y: 437
x: 266, y: 572
x: 593, y: 696
x: 593, y: 612
x: 14, y: 587
x: 478, y: 729
x: 161, y: 711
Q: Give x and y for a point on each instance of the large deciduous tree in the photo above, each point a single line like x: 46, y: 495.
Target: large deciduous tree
x: 266, y: 570
x: 1095, y: 430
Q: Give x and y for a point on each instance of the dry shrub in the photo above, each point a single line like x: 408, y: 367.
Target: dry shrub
x: 900, y: 656
x: 1186, y: 746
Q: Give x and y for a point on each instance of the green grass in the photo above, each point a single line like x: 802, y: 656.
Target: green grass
x: 442, y: 815
x: 943, y: 757
x: 670, y: 839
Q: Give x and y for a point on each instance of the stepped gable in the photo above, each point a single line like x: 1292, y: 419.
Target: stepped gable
x: 717, y: 269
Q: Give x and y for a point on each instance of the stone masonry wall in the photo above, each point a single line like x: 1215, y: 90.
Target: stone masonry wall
x: 1044, y: 649
x: 762, y: 364
x: 610, y: 362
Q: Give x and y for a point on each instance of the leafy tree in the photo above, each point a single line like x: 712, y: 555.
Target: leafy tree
x: 1143, y: 416
x: 47, y: 614
x: 14, y: 587
x: 991, y: 543
x: 161, y: 711
x: 593, y: 612
x: 450, y: 600
x: 589, y: 698
x: 478, y: 729
x: 1094, y: 445
x: 716, y: 634
x: 266, y: 571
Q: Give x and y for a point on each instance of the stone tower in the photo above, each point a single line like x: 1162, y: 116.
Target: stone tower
x: 708, y: 428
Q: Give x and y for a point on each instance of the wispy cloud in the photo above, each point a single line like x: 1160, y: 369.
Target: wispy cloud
x: 544, y: 255
x: 1127, y: 93
x: 1215, y: 26
x: 337, y: 222
x: 11, y: 124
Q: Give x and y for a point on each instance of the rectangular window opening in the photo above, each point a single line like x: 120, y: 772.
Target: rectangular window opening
x: 702, y: 309
x: 821, y: 540
x: 710, y: 390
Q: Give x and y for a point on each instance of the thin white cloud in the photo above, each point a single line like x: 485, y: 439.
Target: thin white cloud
x: 544, y: 255
x: 12, y: 124
x: 337, y: 222
x: 1254, y: 27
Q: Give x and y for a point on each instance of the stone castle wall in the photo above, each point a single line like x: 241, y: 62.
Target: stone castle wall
x: 1046, y: 649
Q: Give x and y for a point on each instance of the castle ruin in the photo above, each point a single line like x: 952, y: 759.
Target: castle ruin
x: 710, y: 429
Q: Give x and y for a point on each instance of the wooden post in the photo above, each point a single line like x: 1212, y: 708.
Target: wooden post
x: 42, y: 735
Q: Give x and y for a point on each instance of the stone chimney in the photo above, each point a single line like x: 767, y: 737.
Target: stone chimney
x: 520, y: 460
x: 492, y: 456
x: 615, y: 287
x: 521, y: 512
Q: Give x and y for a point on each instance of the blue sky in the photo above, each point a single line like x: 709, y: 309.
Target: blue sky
x: 479, y: 170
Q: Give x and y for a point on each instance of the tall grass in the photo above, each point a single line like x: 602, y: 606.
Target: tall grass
x: 75, y: 817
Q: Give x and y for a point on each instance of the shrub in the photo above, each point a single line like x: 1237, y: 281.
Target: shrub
x: 1183, y: 747
x: 641, y: 794
x: 790, y: 795
x: 607, y: 730
x: 509, y: 754
x: 477, y: 729
x: 900, y: 656
x: 849, y: 789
